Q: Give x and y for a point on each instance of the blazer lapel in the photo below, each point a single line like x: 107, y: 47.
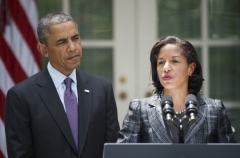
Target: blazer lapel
x: 199, y: 121
x: 156, y: 120
x: 85, y: 93
x: 52, y: 101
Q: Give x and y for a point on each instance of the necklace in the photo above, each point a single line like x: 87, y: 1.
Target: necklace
x: 180, y: 112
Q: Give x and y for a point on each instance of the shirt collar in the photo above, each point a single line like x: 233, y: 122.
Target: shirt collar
x: 58, y: 77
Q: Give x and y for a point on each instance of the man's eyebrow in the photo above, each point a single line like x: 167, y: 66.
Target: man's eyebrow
x: 61, y: 40
x: 65, y: 39
x: 76, y: 35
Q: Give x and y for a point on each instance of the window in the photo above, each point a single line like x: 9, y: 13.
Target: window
x: 94, y: 19
x: 98, y: 61
x: 181, y: 18
x: 212, y: 26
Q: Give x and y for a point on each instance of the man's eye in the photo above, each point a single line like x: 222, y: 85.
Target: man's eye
x: 60, y: 42
x: 75, y: 38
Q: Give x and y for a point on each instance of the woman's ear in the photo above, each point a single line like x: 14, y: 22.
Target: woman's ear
x: 192, y: 67
x: 42, y: 49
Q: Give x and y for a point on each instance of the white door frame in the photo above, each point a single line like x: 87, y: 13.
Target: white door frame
x: 135, y: 32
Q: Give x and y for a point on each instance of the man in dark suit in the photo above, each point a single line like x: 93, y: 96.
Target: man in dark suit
x: 40, y: 122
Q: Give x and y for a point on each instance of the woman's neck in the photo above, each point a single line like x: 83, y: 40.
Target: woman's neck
x: 178, y: 97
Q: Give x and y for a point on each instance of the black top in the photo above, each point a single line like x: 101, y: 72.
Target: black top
x: 173, y: 132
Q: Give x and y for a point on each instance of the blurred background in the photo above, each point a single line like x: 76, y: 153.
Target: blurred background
x: 117, y: 36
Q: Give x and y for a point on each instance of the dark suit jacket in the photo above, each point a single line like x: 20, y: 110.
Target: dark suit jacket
x: 37, y: 126
x: 144, y: 123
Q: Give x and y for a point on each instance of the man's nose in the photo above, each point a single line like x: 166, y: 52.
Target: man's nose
x: 71, y: 46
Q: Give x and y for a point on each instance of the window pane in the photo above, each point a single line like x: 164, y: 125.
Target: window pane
x: 199, y: 54
x: 225, y: 73
x: 94, y: 18
x: 98, y: 62
x: 180, y: 18
x: 234, y: 116
x: 45, y: 7
x: 224, y: 19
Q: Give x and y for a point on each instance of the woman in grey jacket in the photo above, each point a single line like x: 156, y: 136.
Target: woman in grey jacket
x: 169, y: 116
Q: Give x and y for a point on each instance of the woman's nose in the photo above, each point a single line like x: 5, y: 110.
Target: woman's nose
x: 166, y: 67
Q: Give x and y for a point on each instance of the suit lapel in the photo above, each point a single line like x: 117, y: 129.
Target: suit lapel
x: 199, y: 121
x: 85, y: 93
x: 52, y: 101
x: 156, y: 120
x: 195, y: 127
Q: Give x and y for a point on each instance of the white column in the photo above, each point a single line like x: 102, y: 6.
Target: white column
x: 205, y: 48
x: 66, y: 6
x: 147, y: 36
x: 124, y: 17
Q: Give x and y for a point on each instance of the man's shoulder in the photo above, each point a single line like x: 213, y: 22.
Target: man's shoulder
x: 28, y: 82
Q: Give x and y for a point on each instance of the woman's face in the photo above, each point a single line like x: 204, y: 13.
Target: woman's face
x: 173, y: 69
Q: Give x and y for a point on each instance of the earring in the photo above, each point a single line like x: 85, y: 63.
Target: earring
x: 190, y: 74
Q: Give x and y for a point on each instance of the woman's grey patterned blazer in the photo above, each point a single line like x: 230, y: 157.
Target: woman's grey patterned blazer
x: 144, y: 123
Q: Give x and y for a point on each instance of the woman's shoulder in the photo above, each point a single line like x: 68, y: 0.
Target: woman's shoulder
x: 202, y: 100
x: 145, y: 103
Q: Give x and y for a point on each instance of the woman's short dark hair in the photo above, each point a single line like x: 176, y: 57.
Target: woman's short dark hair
x: 195, y: 80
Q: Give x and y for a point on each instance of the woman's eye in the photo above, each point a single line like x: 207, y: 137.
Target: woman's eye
x: 175, y: 61
x: 161, y: 62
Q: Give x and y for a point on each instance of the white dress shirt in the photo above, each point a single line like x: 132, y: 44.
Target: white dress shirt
x: 58, y: 80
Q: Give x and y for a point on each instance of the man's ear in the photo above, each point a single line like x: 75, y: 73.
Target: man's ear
x: 42, y: 49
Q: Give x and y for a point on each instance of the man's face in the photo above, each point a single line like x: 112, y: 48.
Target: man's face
x: 63, y: 47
